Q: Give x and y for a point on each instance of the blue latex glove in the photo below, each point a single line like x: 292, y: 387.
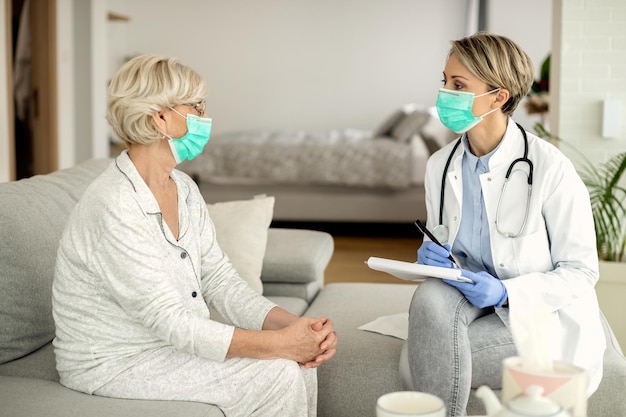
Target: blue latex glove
x: 485, y: 291
x: 432, y: 254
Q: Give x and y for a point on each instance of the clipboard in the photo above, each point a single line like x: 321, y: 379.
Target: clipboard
x: 411, y: 271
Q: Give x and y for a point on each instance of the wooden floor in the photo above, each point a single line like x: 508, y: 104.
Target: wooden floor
x: 351, y: 252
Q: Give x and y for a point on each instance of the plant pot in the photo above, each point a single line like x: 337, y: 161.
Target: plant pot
x: 611, y: 291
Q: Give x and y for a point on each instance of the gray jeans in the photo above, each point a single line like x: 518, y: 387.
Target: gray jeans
x: 454, y: 346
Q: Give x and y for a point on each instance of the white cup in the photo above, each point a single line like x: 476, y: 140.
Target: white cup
x: 410, y: 404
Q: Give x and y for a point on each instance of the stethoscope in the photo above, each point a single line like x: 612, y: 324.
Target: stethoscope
x: 441, y: 231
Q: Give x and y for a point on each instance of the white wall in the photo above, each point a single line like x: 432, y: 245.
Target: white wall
x: 89, y: 47
x: 65, y: 79
x: 271, y: 64
x: 293, y: 64
x: 529, y: 24
x: 98, y: 60
x: 592, y: 67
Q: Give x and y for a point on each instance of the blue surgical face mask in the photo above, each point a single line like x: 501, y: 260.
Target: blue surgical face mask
x: 455, y: 109
x: 191, y: 144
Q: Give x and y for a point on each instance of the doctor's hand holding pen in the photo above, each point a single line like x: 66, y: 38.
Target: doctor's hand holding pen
x: 485, y: 290
x: 433, y: 252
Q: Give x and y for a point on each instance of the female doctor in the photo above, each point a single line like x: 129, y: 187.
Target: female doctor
x: 515, y: 216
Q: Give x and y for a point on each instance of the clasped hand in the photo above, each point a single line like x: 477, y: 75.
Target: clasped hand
x: 313, y: 341
x: 485, y: 290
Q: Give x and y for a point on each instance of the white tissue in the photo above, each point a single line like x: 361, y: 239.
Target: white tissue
x: 530, y: 326
x: 396, y: 325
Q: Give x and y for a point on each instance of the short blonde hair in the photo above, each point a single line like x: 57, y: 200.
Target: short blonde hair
x: 498, y: 62
x: 148, y: 84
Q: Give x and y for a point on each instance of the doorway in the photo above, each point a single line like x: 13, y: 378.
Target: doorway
x: 33, y: 63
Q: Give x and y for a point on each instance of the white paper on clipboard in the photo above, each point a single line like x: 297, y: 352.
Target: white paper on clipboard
x: 413, y: 271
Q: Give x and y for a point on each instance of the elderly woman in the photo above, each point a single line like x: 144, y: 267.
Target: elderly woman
x: 517, y: 244
x: 138, y: 267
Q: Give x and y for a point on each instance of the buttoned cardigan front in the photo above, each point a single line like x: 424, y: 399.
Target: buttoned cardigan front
x: 124, y: 286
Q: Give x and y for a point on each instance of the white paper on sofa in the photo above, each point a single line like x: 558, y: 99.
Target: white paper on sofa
x: 396, y: 325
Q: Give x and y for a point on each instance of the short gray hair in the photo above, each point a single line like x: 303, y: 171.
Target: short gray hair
x: 148, y: 84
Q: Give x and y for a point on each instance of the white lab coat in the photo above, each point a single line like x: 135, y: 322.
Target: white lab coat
x: 554, y: 261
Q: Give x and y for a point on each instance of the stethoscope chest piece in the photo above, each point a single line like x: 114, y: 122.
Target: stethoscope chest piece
x: 442, y: 233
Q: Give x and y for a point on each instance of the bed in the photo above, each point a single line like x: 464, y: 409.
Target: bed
x: 333, y: 175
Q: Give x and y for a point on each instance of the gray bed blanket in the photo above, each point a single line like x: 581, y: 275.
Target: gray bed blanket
x: 347, y: 157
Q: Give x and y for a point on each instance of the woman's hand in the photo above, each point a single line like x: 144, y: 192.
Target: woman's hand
x: 308, y: 341
x: 328, y: 345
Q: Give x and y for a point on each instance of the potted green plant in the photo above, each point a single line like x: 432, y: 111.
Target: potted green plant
x: 607, y: 193
x: 608, y: 196
x: 609, y: 215
x: 607, y: 202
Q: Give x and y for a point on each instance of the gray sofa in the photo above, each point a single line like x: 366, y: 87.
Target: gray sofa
x: 32, y: 216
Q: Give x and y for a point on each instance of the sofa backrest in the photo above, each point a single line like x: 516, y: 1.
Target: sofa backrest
x: 33, y: 213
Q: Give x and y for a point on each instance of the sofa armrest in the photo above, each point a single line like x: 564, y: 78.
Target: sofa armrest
x: 294, y: 262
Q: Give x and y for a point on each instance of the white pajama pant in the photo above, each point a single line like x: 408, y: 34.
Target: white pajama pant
x: 238, y: 386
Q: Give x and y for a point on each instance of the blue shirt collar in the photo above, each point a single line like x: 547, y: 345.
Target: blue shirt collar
x: 474, y: 162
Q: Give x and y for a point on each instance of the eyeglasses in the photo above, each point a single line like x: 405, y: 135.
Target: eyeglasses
x: 199, y: 107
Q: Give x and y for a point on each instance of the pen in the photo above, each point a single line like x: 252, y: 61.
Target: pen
x: 422, y: 227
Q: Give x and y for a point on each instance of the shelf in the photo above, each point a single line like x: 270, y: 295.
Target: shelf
x: 118, y: 17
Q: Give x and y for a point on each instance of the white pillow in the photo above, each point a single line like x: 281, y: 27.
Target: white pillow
x: 241, y: 228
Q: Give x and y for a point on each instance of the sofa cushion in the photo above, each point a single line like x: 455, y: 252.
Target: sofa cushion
x: 411, y: 124
x: 39, y: 398
x: 294, y: 305
x: 366, y: 364
x: 33, y: 213
x: 384, y: 129
x: 241, y: 228
x: 39, y: 364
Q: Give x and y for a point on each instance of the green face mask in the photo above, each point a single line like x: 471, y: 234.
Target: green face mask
x: 193, y: 142
x: 455, y: 109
